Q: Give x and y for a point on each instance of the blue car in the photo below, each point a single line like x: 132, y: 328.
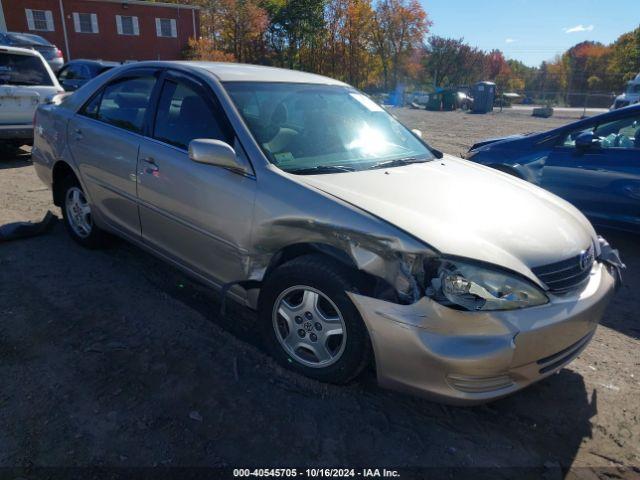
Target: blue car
x: 593, y: 163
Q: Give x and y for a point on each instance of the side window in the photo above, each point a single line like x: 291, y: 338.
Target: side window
x: 91, y: 109
x: 73, y: 72
x: 64, y: 73
x: 570, y: 140
x: 620, y: 134
x: 83, y: 72
x: 184, y: 114
x: 123, y: 103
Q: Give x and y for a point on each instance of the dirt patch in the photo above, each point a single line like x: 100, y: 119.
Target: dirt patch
x: 455, y: 132
x: 114, y: 358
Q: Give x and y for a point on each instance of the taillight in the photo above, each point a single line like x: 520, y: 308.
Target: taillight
x: 58, y: 53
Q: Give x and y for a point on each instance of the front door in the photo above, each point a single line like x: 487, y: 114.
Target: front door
x: 198, y: 215
x: 104, y: 137
x: 603, y: 181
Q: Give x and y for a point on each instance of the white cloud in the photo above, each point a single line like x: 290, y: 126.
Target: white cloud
x: 579, y: 28
x: 509, y: 40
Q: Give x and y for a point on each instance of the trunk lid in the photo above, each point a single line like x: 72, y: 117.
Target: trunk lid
x: 17, y: 104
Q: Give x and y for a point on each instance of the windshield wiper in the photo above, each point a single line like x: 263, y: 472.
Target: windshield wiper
x: 398, y: 162
x: 319, y: 169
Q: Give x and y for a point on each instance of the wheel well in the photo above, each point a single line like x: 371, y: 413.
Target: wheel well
x: 366, y: 283
x: 290, y: 252
x: 61, y: 170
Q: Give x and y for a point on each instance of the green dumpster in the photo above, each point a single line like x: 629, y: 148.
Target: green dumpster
x: 435, y: 102
x: 449, y: 100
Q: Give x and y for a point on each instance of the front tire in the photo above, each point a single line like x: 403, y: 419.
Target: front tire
x: 77, y: 215
x: 309, y: 323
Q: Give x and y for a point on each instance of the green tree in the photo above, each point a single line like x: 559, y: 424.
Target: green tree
x: 625, y: 58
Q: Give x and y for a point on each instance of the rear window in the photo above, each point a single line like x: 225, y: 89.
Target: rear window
x: 27, y: 38
x: 23, y: 70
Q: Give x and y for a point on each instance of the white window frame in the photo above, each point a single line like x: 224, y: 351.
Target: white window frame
x: 174, y: 30
x: 31, y: 23
x: 94, y: 22
x: 134, y: 21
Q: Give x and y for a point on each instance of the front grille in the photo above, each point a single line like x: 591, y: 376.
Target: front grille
x: 566, y: 274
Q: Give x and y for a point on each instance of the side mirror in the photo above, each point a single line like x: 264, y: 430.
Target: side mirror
x: 417, y: 133
x: 214, y: 152
x: 586, y: 140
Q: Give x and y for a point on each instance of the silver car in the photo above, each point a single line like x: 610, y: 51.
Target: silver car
x: 356, y: 242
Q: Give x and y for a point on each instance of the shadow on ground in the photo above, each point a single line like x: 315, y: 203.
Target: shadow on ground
x: 11, y: 157
x: 113, y: 358
x: 625, y: 305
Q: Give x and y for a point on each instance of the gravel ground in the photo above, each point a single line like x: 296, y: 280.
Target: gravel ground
x: 112, y: 358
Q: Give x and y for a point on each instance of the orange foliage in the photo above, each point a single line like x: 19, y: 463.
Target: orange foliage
x: 204, y: 49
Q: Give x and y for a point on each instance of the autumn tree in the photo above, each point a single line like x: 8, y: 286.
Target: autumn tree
x: 450, y: 62
x: 399, y: 30
x: 624, y: 63
x: 296, y: 33
x: 380, y: 43
x: 349, y: 41
x: 205, y: 49
x: 242, y: 25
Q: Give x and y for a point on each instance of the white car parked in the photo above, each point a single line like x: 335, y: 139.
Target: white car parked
x: 630, y: 96
x: 26, y: 81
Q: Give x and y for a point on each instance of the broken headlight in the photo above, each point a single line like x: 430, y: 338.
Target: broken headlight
x: 474, y: 287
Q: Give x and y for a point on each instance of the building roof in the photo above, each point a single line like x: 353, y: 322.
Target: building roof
x: 242, y: 72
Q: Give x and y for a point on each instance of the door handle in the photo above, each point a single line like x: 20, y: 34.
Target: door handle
x: 151, y: 165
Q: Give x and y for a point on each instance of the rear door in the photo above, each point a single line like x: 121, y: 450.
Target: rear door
x: 104, y: 138
x: 198, y: 215
x: 604, y: 180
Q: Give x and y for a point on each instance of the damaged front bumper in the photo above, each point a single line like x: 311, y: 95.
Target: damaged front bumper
x: 464, y: 357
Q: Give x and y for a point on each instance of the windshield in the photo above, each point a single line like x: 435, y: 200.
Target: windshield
x: 304, y: 128
x: 17, y: 69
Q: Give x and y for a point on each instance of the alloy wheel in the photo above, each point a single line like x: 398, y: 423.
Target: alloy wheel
x: 309, y: 326
x: 78, y: 212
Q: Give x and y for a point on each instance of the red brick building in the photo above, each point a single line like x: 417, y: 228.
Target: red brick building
x: 106, y: 29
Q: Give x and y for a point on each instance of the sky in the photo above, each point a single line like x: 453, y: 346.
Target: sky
x: 532, y: 30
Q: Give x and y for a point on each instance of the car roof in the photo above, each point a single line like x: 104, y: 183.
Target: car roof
x: 242, y: 72
x: 612, y: 114
x: 28, y: 38
x: 86, y: 61
x: 19, y: 50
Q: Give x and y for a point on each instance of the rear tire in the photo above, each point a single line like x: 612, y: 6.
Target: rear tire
x: 78, y: 219
x: 309, y: 323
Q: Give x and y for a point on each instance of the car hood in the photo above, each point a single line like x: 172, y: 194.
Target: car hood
x: 468, y: 210
x: 490, y: 141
